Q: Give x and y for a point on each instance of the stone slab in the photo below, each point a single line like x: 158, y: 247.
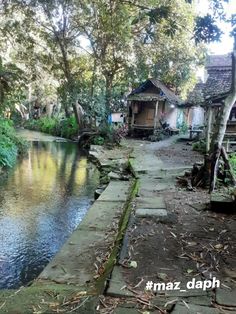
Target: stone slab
x: 117, y: 284
x: 175, y: 170
x: 33, y: 299
x: 116, y: 191
x: 161, y: 301
x: 74, y: 263
x: 147, y: 162
x: 226, y: 297
x: 101, y: 215
x: 114, y: 176
x: 222, y: 203
x: 151, y: 202
x: 180, y: 308
x: 151, y: 212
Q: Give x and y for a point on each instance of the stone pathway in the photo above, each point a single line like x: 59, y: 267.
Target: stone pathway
x: 154, y: 177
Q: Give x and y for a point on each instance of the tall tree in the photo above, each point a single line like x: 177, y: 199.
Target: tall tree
x: 107, y: 26
x: 57, y: 34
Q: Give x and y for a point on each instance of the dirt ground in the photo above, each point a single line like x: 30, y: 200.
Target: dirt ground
x: 198, y: 243
x: 180, y: 153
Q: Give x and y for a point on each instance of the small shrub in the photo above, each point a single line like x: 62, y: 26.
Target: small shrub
x: 98, y: 140
x: 199, y: 146
x: 113, y: 135
x: 69, y: 127
x: 183, y: 128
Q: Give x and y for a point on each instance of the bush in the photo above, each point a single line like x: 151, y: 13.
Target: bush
x: 10, y: 144
x: 67, y: 127
x: 112, y: 135
x: 183, y: 128
x: 200, y: 146
x: 98, y: 140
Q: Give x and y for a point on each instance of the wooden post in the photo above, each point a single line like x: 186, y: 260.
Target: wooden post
x: 132, y: 119
x: 227, y: 146
x: 209, y: 126
x: 156, y: 116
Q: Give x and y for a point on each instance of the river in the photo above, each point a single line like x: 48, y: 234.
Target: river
x: 42, y: 200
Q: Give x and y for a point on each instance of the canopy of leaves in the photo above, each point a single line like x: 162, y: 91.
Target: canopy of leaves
x: 127, y: 41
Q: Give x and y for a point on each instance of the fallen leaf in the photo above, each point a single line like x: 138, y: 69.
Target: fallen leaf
x: 192, y: 243
x: 218, y: 246
x: 189, y: 271
x: 162, y: 276
x: 133, y: 264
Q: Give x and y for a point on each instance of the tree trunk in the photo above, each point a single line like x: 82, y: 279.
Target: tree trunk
x: 209, y: 129
x: 217, y: 140
x: 207, y: 174
x: 93, y: 78
x: 109, y: 81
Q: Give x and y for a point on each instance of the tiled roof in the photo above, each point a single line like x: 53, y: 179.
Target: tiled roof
x: 217, y: 61
x: 196, y: 96
x: 218, y: 84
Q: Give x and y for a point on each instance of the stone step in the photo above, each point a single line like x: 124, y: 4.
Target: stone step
x: 222, y: 203
x: 117, y: 285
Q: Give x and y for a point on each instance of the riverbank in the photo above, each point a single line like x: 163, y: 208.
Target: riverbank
x: 80, y: 269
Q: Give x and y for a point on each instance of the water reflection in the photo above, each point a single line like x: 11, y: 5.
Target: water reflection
x: 41, y: 202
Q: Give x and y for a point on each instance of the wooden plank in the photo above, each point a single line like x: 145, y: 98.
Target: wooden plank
x: 132, y: 119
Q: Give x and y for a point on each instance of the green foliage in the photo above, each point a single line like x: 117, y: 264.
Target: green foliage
x: 69, y: 127
x: 98, y: 140
x: 55, y: 126
x: 11, y: 84
x: 10, y: 144
x: 200, y: 146
x: 183, y: 128
x: 128, y: 42
x: 206, y: 29
x: 232, y: 160
x: 8, y: 152
x: 113, y: 135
